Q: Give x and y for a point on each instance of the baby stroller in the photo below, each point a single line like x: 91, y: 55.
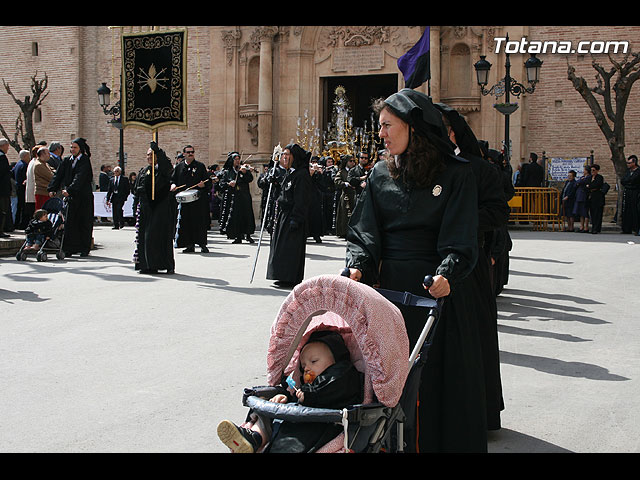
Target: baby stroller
x: 374, y: 332
x: 57, y: 212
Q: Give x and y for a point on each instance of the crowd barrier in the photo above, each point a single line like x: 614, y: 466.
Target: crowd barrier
x: 539, y: 205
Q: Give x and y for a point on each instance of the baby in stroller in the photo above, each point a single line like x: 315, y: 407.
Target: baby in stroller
x: 38, y: 230
x: 327, y: 379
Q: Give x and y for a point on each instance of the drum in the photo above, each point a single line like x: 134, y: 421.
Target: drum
x: 187, y: 196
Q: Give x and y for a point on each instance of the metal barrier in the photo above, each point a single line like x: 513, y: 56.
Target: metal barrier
x: 538, y: 205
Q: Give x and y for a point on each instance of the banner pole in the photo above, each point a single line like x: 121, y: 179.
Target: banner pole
x: 154, y: 137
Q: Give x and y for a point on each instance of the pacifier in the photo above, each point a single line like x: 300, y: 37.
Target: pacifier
x: 309, y: 377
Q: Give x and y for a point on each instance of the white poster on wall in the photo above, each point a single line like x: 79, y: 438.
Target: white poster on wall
x: 558, y: 168
x: 101, y: 209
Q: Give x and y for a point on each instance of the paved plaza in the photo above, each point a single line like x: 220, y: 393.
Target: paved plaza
x: 98, y: 358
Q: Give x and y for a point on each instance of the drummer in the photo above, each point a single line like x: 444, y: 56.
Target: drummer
x: 194, y: 215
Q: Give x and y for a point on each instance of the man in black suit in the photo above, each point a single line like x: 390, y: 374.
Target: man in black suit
x: 5, y: 187
x: 117, y: 194
x: 532, y: 173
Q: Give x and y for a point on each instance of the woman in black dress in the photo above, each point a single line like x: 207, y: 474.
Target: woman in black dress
x: 75, y: 178
x: 418, y: 215
x: 155, y: 214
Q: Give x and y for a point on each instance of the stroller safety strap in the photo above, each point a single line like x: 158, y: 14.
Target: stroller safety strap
x: 406, y: 298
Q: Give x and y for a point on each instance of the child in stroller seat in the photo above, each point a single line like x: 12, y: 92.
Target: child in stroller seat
x: 329, y: 380
x: 38, y: 230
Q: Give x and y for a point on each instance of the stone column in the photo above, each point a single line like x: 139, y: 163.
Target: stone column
x: 265, y: 89
x: 434, y: 62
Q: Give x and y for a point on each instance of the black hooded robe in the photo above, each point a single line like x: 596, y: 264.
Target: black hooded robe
x: 399, y: 233
x: 155, y: 227
x: 493, y: 213
x: 289, y: 238
x: 241, y: 219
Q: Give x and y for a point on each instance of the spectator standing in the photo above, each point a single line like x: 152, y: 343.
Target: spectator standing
x: 5, y: 186
x: 116, y: 196
x: 596, y: 198
x: 20, y: 175
x: 42, y: 174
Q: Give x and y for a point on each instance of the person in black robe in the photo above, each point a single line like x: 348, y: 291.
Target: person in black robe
x: 155, y: 227
x: 289, y: 238
x: 493, y: 213
x: 270, y: 183
x: 74, y: 178
x: 316, y: 219
x: 418, y: 215
x: 193, y: 216
x: 630, y: 218
x: 240, y: 220
x: 329, y: 196
x: 346, y: 195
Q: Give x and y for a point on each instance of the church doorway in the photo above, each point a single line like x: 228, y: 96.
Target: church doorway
x: 360, y: 91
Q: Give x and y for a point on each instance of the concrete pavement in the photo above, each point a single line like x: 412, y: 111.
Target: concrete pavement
x: 96, y: 357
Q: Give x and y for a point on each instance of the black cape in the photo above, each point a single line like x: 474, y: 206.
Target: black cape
x: 289, y: 238
x: 240, y: 220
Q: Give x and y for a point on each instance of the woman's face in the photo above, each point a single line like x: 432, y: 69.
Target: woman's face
x: 394, y: 132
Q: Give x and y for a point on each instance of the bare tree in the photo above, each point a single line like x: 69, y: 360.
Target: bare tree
x: 24, y: 122
x: 614, y: 85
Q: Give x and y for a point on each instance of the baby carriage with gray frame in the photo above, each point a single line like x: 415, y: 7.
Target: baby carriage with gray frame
x: 56, y: 213
x: 374, y: 332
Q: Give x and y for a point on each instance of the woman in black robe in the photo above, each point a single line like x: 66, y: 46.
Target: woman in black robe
x: 418, y: 215
x: 289, y: 238
x: 155, y: 226
x: 75, y: 178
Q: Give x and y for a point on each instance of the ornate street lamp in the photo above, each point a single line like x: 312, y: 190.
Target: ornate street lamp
x: 104, y: 98
x: 507, y: 86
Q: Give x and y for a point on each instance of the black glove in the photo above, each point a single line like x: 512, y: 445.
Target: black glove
x: 154, y: 146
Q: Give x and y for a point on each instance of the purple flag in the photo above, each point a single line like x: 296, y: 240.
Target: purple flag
x: 415, y: 64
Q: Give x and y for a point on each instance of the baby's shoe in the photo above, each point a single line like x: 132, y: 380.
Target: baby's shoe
x: 238, y: 439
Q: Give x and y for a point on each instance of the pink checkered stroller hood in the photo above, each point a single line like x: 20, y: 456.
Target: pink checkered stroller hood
x: 372, y: 327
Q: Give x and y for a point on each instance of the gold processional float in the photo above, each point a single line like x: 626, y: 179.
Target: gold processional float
x: 340, y: 137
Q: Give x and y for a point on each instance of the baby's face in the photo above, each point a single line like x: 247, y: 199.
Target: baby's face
x: 315, y: 358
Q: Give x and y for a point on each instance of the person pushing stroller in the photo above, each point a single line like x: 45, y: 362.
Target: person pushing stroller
x: 38, y: 230
x: 328, y: 380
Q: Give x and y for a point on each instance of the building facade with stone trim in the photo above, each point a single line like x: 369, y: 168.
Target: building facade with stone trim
x: 249, y: 86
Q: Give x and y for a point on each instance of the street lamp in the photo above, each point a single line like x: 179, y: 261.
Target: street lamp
x: 104, y: 98
x: 507, y: 86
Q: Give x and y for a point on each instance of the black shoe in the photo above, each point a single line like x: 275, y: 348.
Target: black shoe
x: 84, y: 254
x: 239, y: 439
x: 170, y: 271
x: 189, y: 250
x: 237, y: 240
x: 115, y: 228
x: 317, y: 239
x: 283, y: 284
x: 204, y: 249
x: 249, y: 239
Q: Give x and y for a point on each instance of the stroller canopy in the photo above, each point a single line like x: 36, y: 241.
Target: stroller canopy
x: 372, y: 326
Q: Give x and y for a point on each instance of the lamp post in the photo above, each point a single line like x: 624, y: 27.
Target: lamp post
x: 104, y: 94
x: 507, y: 86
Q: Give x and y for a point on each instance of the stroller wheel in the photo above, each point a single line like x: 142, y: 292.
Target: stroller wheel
x: 41, y: 257
x: 60, y: 255
x: 21, y: 256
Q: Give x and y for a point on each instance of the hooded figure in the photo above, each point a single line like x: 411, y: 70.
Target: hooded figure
x: 418, y: 216
x: 240, y: 221
x: 227, y: 193
x: 493, y: 215
x: 289, y: 238
x: 75, y: 178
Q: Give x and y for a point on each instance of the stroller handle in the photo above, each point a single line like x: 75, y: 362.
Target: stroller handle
x: 427, y: 282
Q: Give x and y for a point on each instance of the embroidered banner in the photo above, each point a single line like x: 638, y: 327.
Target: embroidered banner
x: 154, y: 72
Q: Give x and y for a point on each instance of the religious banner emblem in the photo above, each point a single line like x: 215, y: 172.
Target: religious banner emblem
x: 154, y: 89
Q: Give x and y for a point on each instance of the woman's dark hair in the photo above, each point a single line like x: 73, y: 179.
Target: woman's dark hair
x: 420, y: 163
